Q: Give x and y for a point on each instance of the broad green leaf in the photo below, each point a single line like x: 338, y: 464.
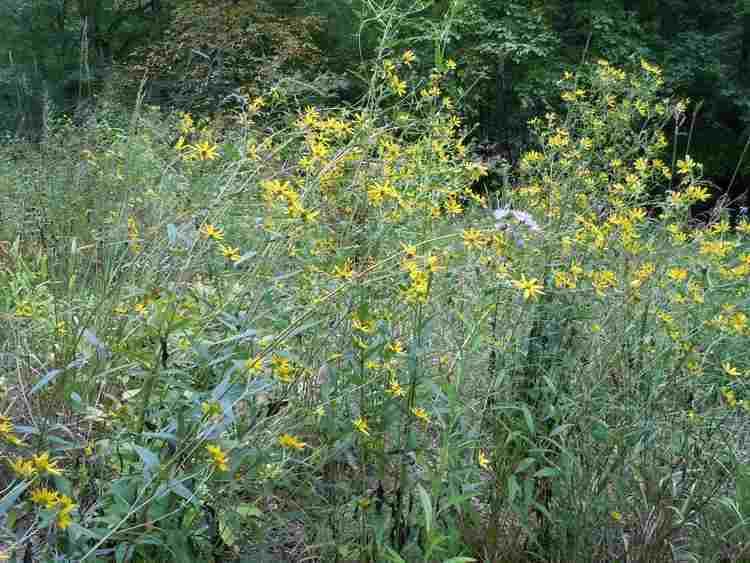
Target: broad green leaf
x: 424, y: 497
x: 10, y: 499
x: 149, y: 458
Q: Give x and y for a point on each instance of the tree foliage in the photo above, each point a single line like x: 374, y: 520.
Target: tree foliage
x: 194, y: 53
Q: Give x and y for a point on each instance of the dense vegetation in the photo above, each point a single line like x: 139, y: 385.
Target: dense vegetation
x: 304, y: 281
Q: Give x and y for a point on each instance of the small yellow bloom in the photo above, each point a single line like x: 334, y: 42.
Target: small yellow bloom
x: 344, y: 271
x: 395, y: 389
x: 433, y: 264
x: 484, y: 461
x: 218, y: 457
x: 44, y: 465
x: 45, y: 497
x: 421, y: 414
x: 7, y: 430
x: 210, y: 231
x: 186, y: 123
x: 398, y: 85
x: 531, y: 287
x: 366, y: 326
x: 257, y: 104
x: 204, y: 151
x: 282, y: 368
x: 616, y: 516
x: 453, y: 207
x: 730, y: 370
x: 408, y: 57
x: 396, y: 347
x: 23, y: 468
x: 66, y: 507
x: 63, y: 519
x: 409, y: 250
x: 254, y: 365
x: 677, y: 274
x: 473, y: 238
x: 361, y: 425
x: 24, y: 309
x: 120, y: 310
x: 291, y: 443
x: 230, y: 253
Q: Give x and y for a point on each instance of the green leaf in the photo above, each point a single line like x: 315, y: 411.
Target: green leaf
x: 44, y: 381
x: 182, y: 491
x: 10, y: 499
x: 426, y: 506
x: 513, y: 488
x: 547, y: 472
x: 247, y: 510
x: 525, y: 464
x: 393, y: 557
x: 529, y: 419
x: 743, y: 489
x: 459, y: 560
x: 149, y: 458
x: 226, y: 532
x: 600, y: 431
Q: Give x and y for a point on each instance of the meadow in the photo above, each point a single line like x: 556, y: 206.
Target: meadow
x: 301, y: 335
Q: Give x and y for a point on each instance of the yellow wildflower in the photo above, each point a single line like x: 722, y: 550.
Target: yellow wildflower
x: 66, y: 507
x: 291, y: 443
x: 396, y: 347
x: 395, y: 389
x: 361, y: 425
x: 24, y: 309
x: 254, y: 365
x: 344, y: 271
x: 433, y: 264
x: 473, y: 238
x: 204, y: 151
x: 531, y: 287
x: 686, y: 166
x: 282, y: 368
x: 44, y: 465
x: 730, y: 370
x: 230, y: 253
x: 187, y: 124
x: 23, y: 468
x: 421, y: 414
x: 210, y: 231
x: 218, y: 457
x: 366, y: 326
x: 453, y: 207
x: 45, y: 497
x: 677, y: 274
